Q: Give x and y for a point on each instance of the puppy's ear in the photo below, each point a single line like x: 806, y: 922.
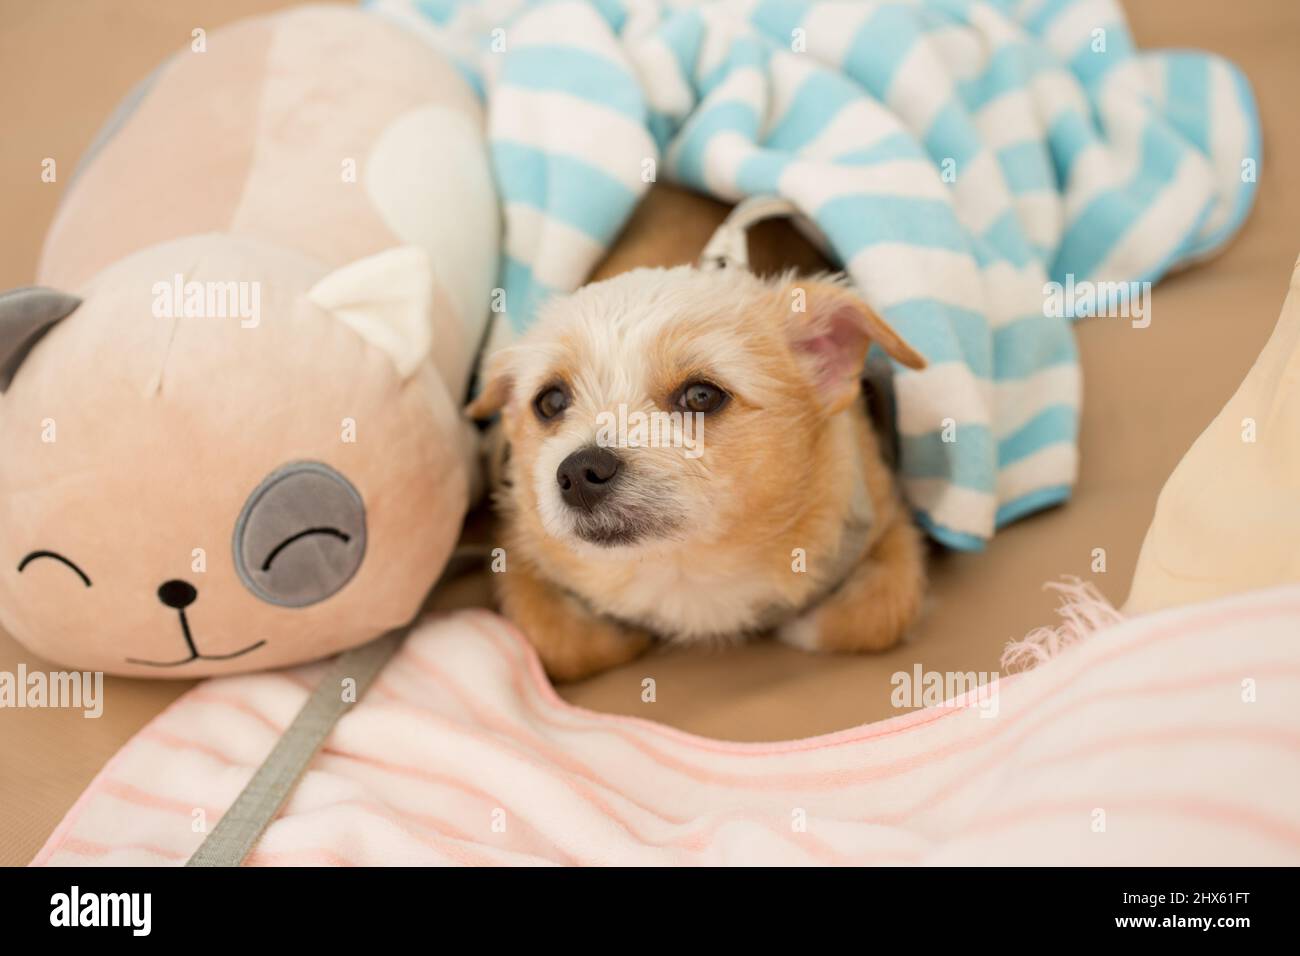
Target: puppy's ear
x: 834, y: 328
x: 496, y: 384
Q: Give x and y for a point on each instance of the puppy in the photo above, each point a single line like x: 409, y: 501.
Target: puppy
x: 690, y: 458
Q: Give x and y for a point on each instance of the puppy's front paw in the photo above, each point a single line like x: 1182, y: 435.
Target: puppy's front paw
x: 873, y: 608
x: 589, y: 646
x: 801, y: 632
x: 572, y: 642
x: 839, y: 627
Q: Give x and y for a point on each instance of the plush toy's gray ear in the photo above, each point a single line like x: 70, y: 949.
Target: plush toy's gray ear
x: 26, y: 315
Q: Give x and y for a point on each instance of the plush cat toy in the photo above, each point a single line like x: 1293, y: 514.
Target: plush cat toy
x: 229, y: 424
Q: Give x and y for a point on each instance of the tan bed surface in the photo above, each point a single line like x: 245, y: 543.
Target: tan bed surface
x: 1148, y: 393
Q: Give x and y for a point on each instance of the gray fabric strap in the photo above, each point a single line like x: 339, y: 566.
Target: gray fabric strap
x: 239, y: 829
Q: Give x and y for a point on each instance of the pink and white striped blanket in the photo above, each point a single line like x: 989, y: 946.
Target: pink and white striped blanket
x: 1172, y: 738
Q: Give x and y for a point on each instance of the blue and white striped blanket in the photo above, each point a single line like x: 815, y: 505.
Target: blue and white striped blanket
x: 957, y: 156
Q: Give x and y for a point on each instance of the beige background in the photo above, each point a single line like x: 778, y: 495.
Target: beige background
x: 65, y: 63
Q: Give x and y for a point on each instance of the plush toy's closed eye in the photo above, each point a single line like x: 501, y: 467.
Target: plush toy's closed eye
x: 36, y: 555
x: 301, y: 535
x: 335, y: 532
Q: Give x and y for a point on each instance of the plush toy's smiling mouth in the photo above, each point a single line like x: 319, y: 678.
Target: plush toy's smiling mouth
x: 180, y: 595
x: 195, y: 655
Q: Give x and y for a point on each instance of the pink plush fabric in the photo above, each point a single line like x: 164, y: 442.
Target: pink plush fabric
x: 1171, y: 738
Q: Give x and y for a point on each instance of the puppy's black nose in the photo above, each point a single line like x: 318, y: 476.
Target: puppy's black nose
x: 176, y: 593
x: 586, y: 476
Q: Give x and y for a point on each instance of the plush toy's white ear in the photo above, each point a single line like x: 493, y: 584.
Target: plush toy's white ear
x: 386, y: 299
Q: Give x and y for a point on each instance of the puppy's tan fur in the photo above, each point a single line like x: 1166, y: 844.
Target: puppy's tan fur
x: 764, y: 530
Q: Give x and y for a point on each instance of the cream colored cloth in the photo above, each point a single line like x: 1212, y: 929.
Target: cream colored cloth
x: 1228, y: 519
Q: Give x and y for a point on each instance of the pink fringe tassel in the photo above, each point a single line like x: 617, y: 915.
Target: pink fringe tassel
x: 1083, y: 611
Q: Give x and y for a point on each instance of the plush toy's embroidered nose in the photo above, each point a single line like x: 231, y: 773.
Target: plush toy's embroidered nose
x: 585, y: 476
x: 177, y: 594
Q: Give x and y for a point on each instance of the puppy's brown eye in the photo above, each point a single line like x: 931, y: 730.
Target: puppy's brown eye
x: 701, y: 397
x: 550, y: 402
